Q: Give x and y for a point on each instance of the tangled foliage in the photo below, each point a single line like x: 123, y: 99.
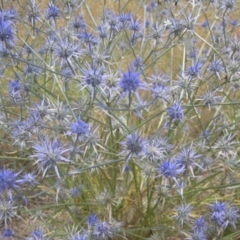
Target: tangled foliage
x: 119, y: 119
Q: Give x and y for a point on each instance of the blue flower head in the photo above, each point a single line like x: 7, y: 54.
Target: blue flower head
x: 37, y: 234
x: 205, y: 24
x: 175, y: 112
x: 135, y: 25
x: 14, y: 86
x: 102, y: 230
x: 134, y: 145
x: 79, y: 23
x: 130, y: 82
x: 6, y: 32
x: 80, y: 236
x: 8, y: 179
x: 8, y: 15
x: 224, y: 215
x: 183, y: 213
x: 52, y: 11
x: 88, y: 38
x: 219, y: 206
x: 194, y: 70
x: 79, y: 127
x: 200, y: 224
x: 137, y: 63
x: 75, y: 192
x: 7, y: 232
x: 169, y: 169
x: 49, y: 154
x: 28, y: 178
x: 92, y: 220
x: 219, y: 213
x: 234, y: 23
x: 94, y: 76
x: 102, y: 32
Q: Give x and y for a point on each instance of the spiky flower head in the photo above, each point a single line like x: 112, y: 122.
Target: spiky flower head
x: 49, y: 154
x: 6, y: 31
x: 80, y: 236
x: 79, y: 127
x: 188, y: 158
x: 183, y: 213
x: 92, y: 220
x: 37, y: 234
x: 102, y: 230
x: 33, y: 13
x: 28, y: 178
x: 224, y: 215
x: 134, y: 25
x: 7, y: 232
x: 7, y: 210
x: 170, y: 169
x: 52, y: 11
x: 8, y: 180
x: 130, y: 82
x: 200, y: 224
x: 175, y: 112
x: 134, y: 145
x: 194, y: 70
x: 94, y: 75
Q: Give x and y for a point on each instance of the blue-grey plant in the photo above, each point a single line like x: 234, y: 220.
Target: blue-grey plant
x: 119, y: 117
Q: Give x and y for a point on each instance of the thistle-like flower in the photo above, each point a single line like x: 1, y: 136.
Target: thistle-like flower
x: 187, y: 158
x: 65, y: 50
x: 183, y: 213
x: 8, y: 180
x: 49, y: 154
x: 134, y: 145
x: 223, y: 214
x: 29, y: 179
x: 130, y: 83
x: 79, y: 127
x: 102, y: 230
x: 15, y: 91
x: 92, y: 220
x: 52, y: 11
x: 170, y: 169
x: 80, y: 236
x: 37, y: 234
x: 175, y: 112
x: 79, y: 23
x: 6, y: 32
x: 94, y: 77
x: 7, y: 233
x: 194, y: 70
x: 7, y: 210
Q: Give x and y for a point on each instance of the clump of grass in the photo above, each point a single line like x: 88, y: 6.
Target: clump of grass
x: 119, y: 125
